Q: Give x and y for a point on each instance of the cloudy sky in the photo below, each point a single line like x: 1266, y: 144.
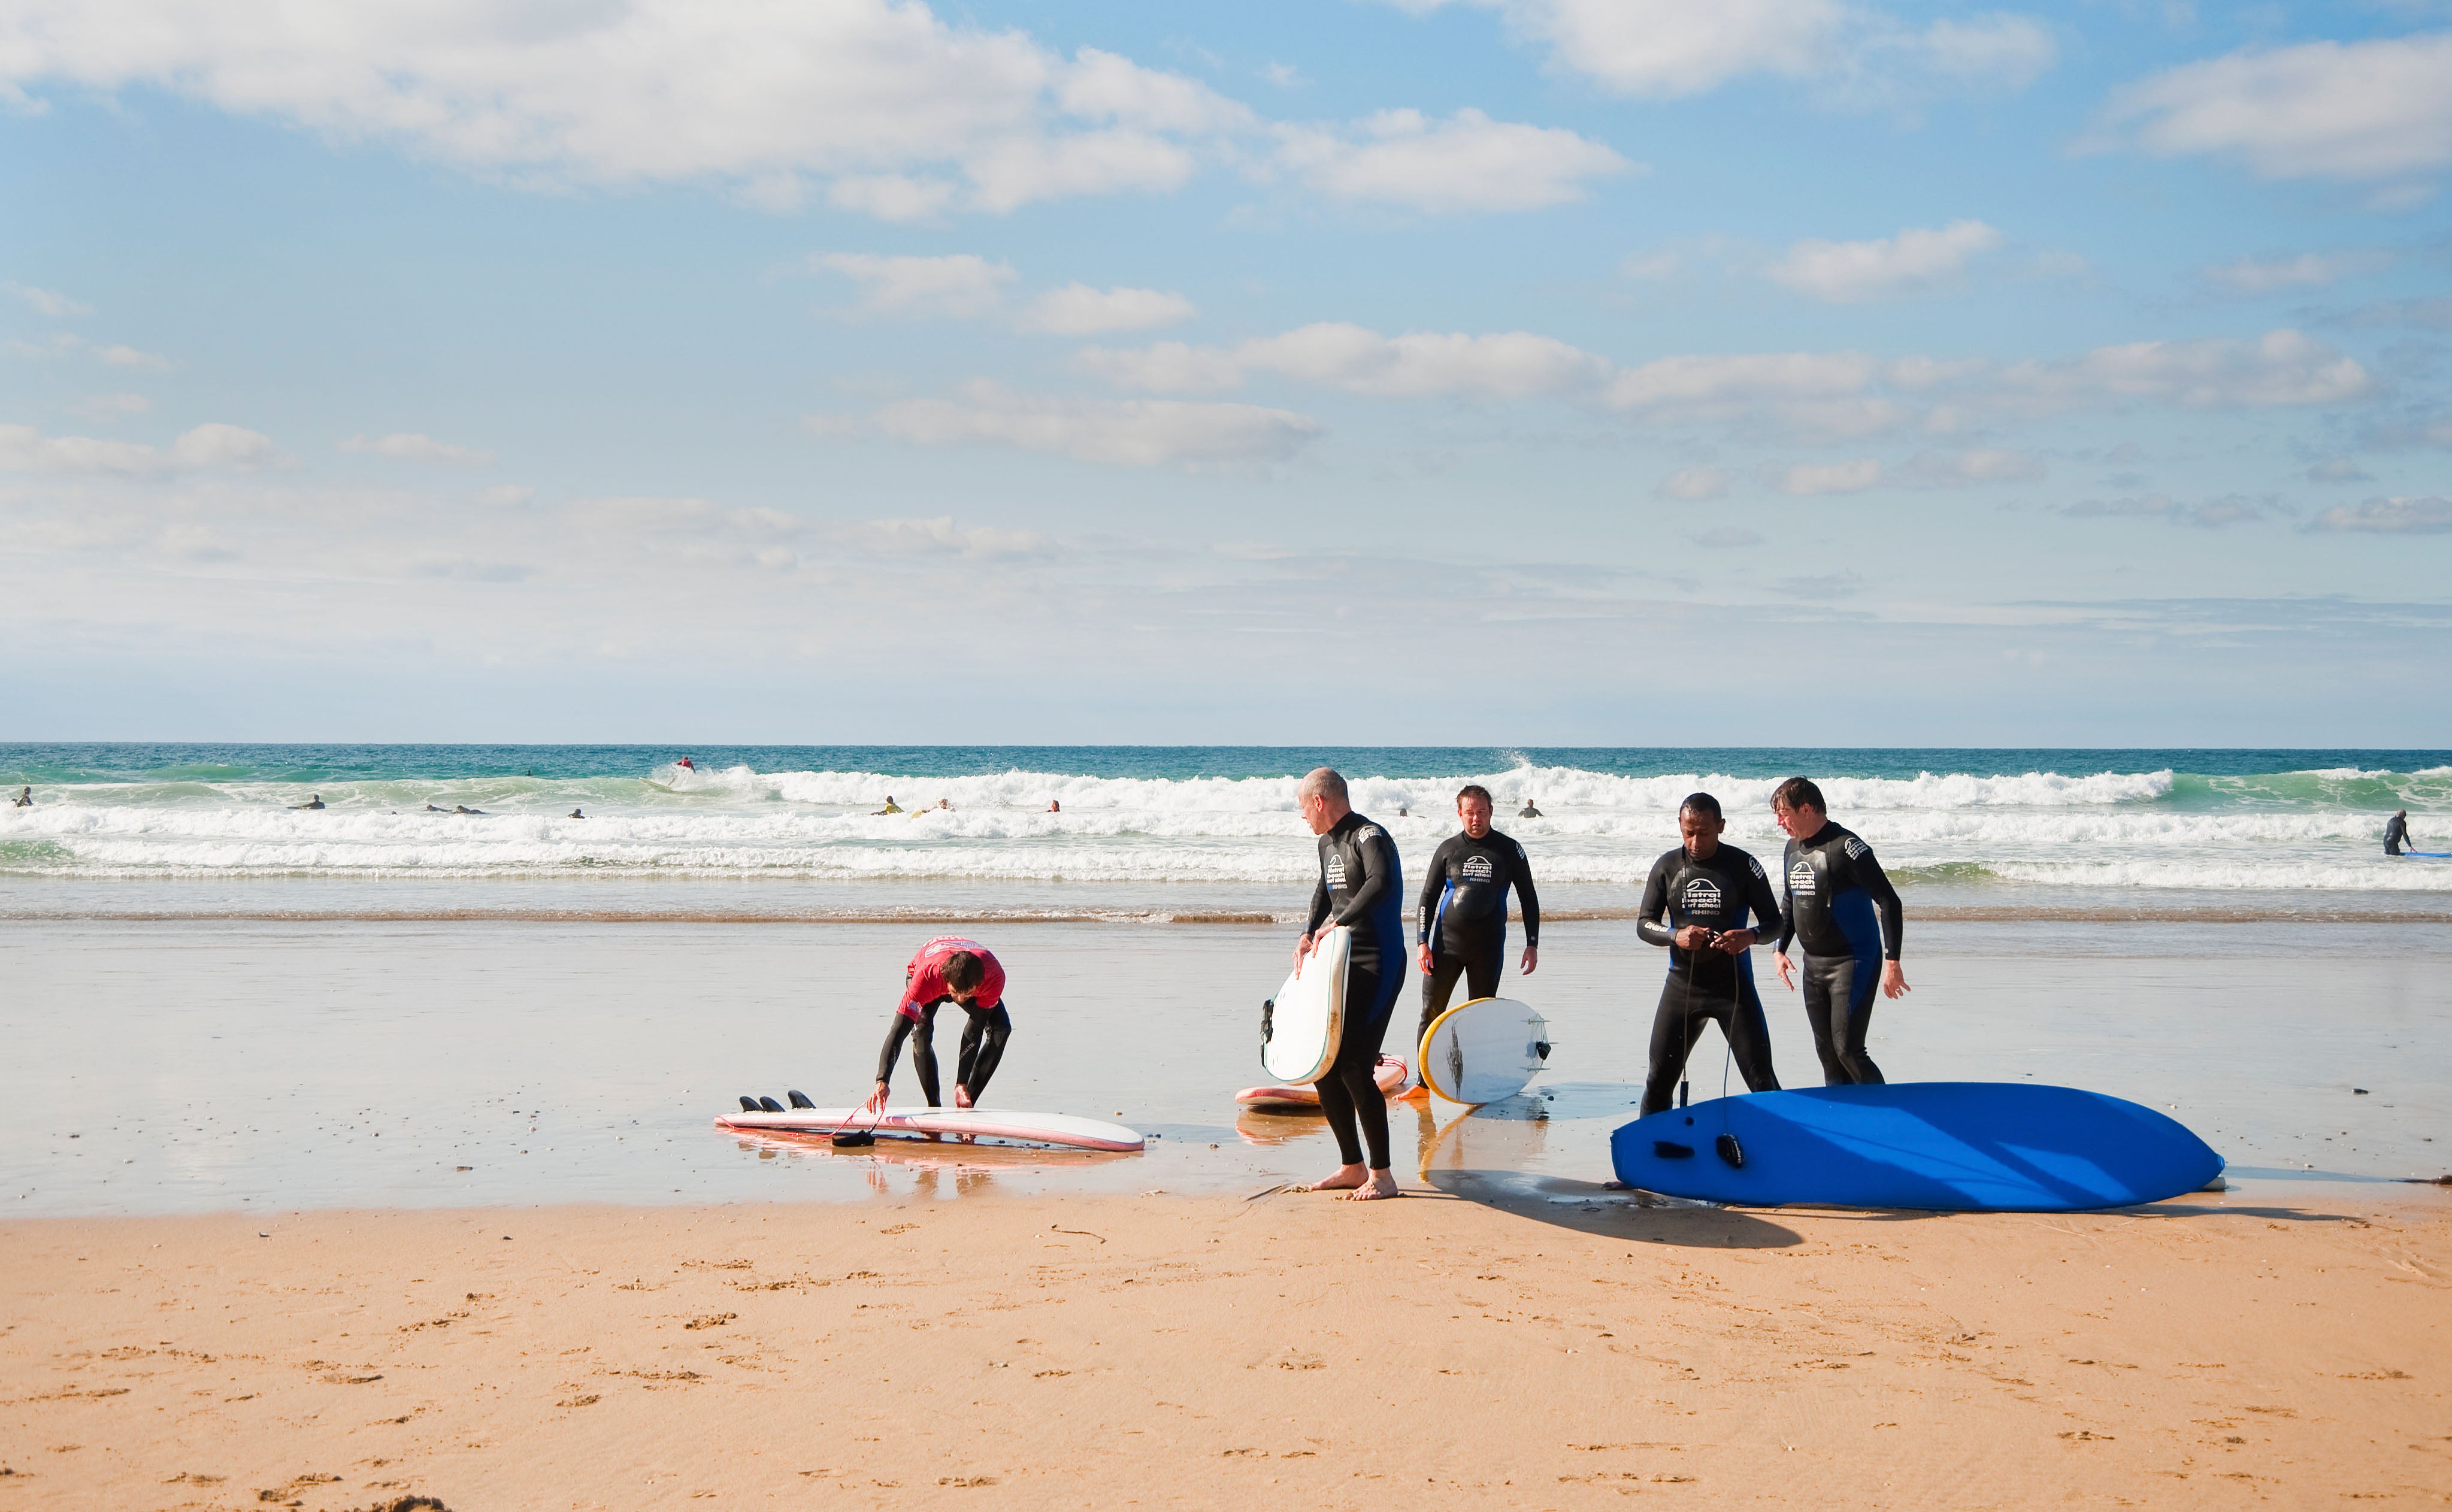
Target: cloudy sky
x: 1357, y: 371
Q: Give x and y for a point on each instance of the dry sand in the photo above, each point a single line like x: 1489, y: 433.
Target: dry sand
x: 1517, y: 1351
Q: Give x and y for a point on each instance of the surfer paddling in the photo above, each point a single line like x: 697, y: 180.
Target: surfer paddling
x: 1361, y: 886
x: 1695, y: 902
x: 1463, y: 927
x: 956, y: 970
x: 1842, y: 909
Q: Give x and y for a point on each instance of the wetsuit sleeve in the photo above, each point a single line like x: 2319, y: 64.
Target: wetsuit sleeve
x: 895, y: 1036
x: 1651, y: 919
x: 1319, y: 904
x: 1876, y: 884
x: 1766, y: 908
x: 1377, y: 857
x: 1531, y: 899
x: 1433, y: 882
x: 1787, y: 903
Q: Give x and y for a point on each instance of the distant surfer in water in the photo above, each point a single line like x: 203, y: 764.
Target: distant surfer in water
x: 2396, y: 832
x: 686, y: 764
x: 1362, y: 887
x: 1695, y: 903
x: 1842, y: 909
x: 25, y: 798
x: 576, y: 814
x: 1055, y: 807
x: 456, y: 808
x: 1528, y: 812
x: 314, y: 800
x: 1463, y: 926
x: 891, y: 807
x: 948, y: 970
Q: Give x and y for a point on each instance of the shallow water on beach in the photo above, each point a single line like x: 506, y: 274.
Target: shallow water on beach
x: 205, y: 1064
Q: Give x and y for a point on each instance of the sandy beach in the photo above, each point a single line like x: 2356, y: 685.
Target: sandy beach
x: 1459, y: 1347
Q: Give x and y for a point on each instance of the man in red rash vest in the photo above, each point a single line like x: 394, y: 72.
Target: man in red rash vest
x: 948, y: 970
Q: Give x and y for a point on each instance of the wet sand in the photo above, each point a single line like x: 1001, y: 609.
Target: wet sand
x: 1483, y: 1342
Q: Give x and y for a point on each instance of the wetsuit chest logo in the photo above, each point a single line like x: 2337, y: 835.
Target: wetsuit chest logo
x: 1475, y: 869
x: 1800, y: 878
x: 1335, y: 871
x: 1700, y: 896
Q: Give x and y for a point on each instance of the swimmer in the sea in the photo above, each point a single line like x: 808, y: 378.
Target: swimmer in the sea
x: 1697, y: 903
x: 1841, y: 907
x: 25, y: 798
x: 1361, y: 886
x: 313, y: 801
x: 947, y: 969
x: 462, y: 808
x: 891, y: 807
x: 576, y: 814
x: 1055, y: 807
x: 1528, y: 812
x: 945, y: 805
x: 431, y: 809
x: 1462, y: 931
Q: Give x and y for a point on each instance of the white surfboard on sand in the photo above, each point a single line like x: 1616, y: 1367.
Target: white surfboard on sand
x: 1300, y: 1028
x: 1483, y: 1051
x: 980, y: 1122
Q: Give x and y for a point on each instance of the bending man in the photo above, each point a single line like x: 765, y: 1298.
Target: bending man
x: 1361, y: 886
x: 1463, y: 928
x: 956, y: 970
x: 2396, y: 832
x: 1695, y: 902
x: 1842, y: 909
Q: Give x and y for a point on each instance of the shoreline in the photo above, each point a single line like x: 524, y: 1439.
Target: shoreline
x: 1932, y: 913
x: 1550, y: 1346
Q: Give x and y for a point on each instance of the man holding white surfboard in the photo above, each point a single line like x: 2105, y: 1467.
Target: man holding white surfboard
x: 1463, y: 926
x: 1360, y: 888
x: 948, y: 970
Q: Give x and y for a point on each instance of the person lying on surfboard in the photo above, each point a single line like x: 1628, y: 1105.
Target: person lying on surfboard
x: 948, y: 970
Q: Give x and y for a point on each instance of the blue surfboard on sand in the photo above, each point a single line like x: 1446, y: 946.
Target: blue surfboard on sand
x: 1941, y: 1147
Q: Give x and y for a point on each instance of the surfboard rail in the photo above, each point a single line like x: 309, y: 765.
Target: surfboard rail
x: 1065, y: 1130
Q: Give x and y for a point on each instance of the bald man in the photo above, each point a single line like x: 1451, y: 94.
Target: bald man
x: 1362, y: 887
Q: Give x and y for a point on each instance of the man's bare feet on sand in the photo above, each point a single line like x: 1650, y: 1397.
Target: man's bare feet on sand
x: 1356, y: 1184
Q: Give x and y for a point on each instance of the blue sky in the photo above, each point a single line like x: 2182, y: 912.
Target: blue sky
x: 1494, y: 371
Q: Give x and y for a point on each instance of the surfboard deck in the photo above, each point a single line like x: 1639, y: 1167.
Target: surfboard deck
x: 1938, y: 1147
x: 1391, y: 1076
x: 2428, y: 856
x: 1483, y: 1051
x: 979, y: 1123
x: 1301, y: 1029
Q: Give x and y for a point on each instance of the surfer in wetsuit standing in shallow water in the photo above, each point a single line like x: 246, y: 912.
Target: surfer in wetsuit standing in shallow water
x: 956, y: 970
x: 1842, y: 909
x: 1463, y: 928
x: 1361, y: 886
x: 1695, y: 903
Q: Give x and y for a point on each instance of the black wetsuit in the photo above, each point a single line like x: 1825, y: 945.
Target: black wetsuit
x: 1361, y: 886
x: 2396, y: 832
x: 1464, y: 916
x: 1843, y: 910
x: 984, y: 1032
x: 1716, y: 893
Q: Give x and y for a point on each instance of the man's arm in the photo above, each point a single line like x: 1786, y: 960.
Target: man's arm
x: 1531, y: 899
x: 899, y: 1031
x: 1876, y: 883
x: 1651, y: 919
x: 1787, y: 902
x: 1434, y: 883
x: 1319, y: 901
x: 1766, y: 908
x: 1379, y: 857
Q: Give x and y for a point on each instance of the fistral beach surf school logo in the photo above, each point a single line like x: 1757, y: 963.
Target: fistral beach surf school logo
x: 1701, y: 895
x: 1475, y: 869
x: 1854, y: 847
x: 1800, y: 878
x: 1335, y: 869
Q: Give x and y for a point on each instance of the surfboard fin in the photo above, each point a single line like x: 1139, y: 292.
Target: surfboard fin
x: 1730, y: 1150
x: 770, y: 1104
x: 1268, y: 1018
x: 1541, y: 1048
x: 749, y: 1105
x: 1671, y: 1150
x: 800, y: 1099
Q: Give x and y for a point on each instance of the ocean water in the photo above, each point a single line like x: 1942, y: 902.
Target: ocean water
x: 1182, y: 832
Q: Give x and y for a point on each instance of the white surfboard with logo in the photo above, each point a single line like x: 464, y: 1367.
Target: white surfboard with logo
x: 1302, y: 1026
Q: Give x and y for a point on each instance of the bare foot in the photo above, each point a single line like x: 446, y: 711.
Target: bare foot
x: 1382, y: 1184
x: 1346, y: 1178
x: 962, y: 1097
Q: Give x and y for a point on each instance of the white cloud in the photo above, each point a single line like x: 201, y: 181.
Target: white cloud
x: 1164, y: 368
x: 2250, y: 275
x: 2337, y: 470
x: 1717, y: 386
x: 24, y: 449
x: 113, y: 407
x: 130, y: 357
x: 1509, y: 364
x: 1128, y: 433
x: 2429, y: 515
x: 1830, y: 477
x: 1671, y: 49
x: 412, y: 446
x: 962, y: 284
x: 1915, y: 261
x: 1077, y: 309
x: 1648, y: 265
x: 48, y: 302
x: 1467, y: 162
x: 899, y: 113
x: 2355, y: 110
x: 1695, y: 483
x: 1961, y: 469
x: 1728, y: 538
x: 2211, y: 513
x: 2279, y: 369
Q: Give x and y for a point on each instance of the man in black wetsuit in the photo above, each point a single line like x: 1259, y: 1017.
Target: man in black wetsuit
x: 1842, y: 909
x: 2396, y: 832
x: 1463, y: 928
x: 1361, y: 886
x: 1695, y: 902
